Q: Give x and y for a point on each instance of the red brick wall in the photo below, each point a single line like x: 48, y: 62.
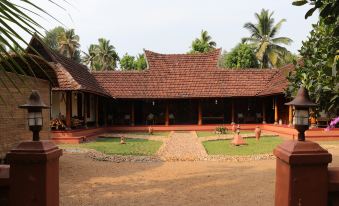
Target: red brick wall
x: 13, y: 123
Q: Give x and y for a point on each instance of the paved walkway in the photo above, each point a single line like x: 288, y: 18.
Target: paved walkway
x: 182, y: 146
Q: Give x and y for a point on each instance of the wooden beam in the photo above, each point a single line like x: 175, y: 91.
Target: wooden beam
x: 85, y: 102
x: 68, y: 109
x: 167, y: 120
x: 105, y: 112
x: 275, y: 110
x: 97, y: 111
x: 199, y: 113
x: 263, y: 112
x: 233, y: 112
x: 132, y: 115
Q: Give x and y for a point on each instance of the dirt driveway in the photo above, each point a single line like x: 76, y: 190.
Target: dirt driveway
x: 88, y: 182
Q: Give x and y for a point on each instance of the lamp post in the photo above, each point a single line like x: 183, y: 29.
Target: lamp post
x: 34, y: 107
x: 301, y: 105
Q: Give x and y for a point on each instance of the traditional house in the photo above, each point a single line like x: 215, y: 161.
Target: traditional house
x: 190, y: 89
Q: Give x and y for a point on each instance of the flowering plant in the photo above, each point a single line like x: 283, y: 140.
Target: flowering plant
x: 334, y: 122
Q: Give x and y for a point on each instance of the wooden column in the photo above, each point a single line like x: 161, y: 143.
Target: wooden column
x: 199, y: 113
x: 275, y: 110
x: 290, y: 116
x: 68, y: 109
x: 97, y: 111
x: 86, y: 99
x: 233, y: 112
x: 132, y: 114
x: 105, y: 111
x: 263, y: 112
x: 167, y: 121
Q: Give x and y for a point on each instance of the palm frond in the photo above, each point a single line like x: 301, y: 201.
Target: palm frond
x: 276, y: 28
x: 282, y: 40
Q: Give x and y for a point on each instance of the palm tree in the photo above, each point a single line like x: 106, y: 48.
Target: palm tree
x: 68, y: 43
x: 90, y: 57
x: 268, y: 49
x: 203, y: 44
x: 106, y: 55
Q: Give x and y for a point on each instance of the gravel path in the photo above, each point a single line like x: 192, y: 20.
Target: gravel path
x: 182, y: 146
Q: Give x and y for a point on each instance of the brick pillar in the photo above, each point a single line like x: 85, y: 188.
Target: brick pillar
x: 167, y: 120
x: 34, y: 173
x: 275, y: 110
x: 68, y: 109
x: 233, y: 112
x: 199, y: 113
x: 97, y: 111
x: 301, y: 174
x: 132, y: 115
x: 290, y: 116
x: 263, y: 112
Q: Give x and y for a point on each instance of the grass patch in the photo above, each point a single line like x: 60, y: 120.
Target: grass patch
x: 212, y: 133
x: 112, y: 146
x: 224, y: 147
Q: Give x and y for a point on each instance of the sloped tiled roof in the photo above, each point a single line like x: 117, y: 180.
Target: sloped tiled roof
x: 189, y: 76
x: 71, y: 75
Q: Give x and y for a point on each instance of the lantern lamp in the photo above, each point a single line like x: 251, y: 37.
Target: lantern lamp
x: 301, y: 106
x: 34, y: 107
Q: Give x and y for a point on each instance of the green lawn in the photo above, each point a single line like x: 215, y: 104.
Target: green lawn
x: 224, y: 147
x: 113, y: 146
x: 212, y: 133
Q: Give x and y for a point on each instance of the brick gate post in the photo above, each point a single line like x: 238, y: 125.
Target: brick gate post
x: 301, y: 174
x: 34, y: 174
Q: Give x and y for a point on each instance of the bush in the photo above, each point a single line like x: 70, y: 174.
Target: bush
x: 220, y: 130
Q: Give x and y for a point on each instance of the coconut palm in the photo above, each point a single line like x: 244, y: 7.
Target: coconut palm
x: 106, y: 55
x: 203, y: 44
x: 68, y: 43
x: 90, y: 58
x: 268, y: 47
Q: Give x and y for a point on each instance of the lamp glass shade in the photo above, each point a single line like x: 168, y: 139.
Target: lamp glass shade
x: 35, y: 118
x: 301, y: 117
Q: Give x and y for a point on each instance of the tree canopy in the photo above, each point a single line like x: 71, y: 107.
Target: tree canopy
x: 318, y: 73
x: 101, y: 56
x: 128, y: 62
x: 262, y: 34
x: 203, y: 44
x: 241, y: 56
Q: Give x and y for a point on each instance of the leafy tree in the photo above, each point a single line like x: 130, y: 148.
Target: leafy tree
x: 268, y: 49
x: 318, y: 73
x: 203, y: 44
x: 127, y: 62
x: 51, y: 37
x: 68, y: 43
x: 140, y: 62
x: 101, y: 56
x: 133, y: 63
x: 241, y: 56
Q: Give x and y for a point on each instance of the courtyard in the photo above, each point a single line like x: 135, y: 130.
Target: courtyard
x: 85, y: 181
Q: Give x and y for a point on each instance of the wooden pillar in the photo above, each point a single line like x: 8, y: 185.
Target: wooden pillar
x: 233, y: 112
x: 97, y: 111
x: 275, y: 110
x: 290, y: 116
x: 68, y: 109
x: 85, y: 102
x: 132, y: 114
x: 167, y: 121
x: 105, y: 111
x: 263, y: 112
x: 199, y: 113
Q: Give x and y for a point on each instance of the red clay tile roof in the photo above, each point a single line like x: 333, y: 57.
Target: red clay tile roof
x: 188, y: 76
x: 71, y: 75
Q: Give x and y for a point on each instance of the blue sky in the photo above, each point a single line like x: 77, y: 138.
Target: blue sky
x: 169, y: 26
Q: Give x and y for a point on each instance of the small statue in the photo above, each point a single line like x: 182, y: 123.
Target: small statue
x: 122, y: 140
x: 238, y: 129
x: 257, y: 132
x: 234, y: 129
x: 150, y: 130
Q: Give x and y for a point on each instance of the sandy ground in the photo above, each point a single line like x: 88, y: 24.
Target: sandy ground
x: 88, y: 182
